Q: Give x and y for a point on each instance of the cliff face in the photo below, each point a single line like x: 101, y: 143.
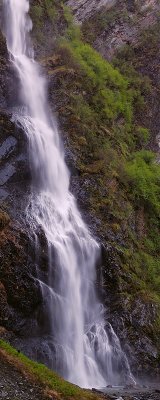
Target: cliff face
x: 109, y: 122
x: 84, y: 9
x: 124, y: 25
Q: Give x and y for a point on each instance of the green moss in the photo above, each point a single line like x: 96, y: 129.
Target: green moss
x: 142, y: 135
x: 143, y: 175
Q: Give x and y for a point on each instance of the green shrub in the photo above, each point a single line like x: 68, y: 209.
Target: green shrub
x: 37, y: 12
x: 73, y: 31
x: 142, y: 134
x: 144, y: 179
x: 107, y: 89
x: 51, y: 10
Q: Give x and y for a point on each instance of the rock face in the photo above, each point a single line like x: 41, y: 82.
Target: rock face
x: 84, y: 9
x: 121, y: 24
x: 132, y: 319
x: 20, y: 294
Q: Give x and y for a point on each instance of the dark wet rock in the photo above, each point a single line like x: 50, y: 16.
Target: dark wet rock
x: 7, y: 147
x: 96, y: 391
x: 14, y: 169
x: 6, y: 173
x: 137, y: 392
x: 20, y: 294
x: 3, y: 194
x: 21, y: 308
x: 131, y: 5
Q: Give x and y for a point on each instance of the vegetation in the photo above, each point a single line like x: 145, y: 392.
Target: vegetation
x: 107, y: 104
x: 42, y: 11
x: 102, y: 105
x: 103, y: 19
x: 49, y: 380
x: 144, y: 180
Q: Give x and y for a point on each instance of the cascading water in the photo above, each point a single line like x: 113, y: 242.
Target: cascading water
x: 84, y: 351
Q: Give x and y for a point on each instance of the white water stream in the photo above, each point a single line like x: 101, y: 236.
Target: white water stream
x: 86, y: 353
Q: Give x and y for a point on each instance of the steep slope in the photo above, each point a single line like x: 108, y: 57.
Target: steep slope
x: 123, y: 23
x: 22, y: 378
x: 104, y: 118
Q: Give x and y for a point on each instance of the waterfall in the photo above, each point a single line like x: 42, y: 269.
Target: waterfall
x: 85, y: 350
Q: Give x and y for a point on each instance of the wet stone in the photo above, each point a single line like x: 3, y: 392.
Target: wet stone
x: 6, y: 173
x: 7, y: 147
x: 3, y: 194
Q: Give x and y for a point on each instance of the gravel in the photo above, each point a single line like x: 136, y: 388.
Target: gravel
x: 14, y: 386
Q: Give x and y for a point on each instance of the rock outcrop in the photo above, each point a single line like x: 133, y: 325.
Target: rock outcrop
x: 84, y: 9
